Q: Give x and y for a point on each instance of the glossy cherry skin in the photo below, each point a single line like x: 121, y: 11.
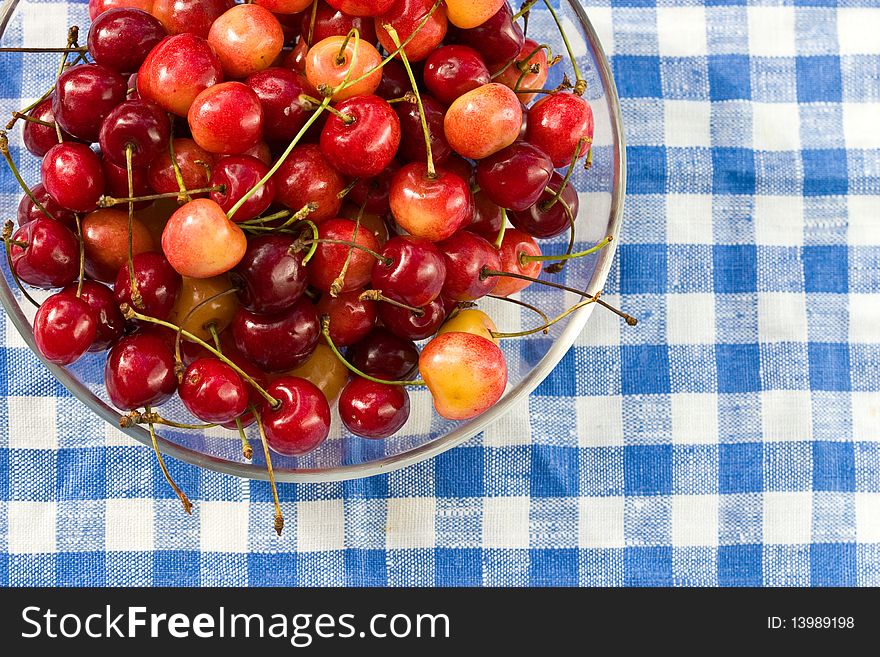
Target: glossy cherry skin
x: 27, y: 211
x: 105, y: 237
x: 84, y: 95
x: 109, y: 322
x: 255, y: 398
x: 37, y: 138
x: 98, y: 7
x: 122, y: 38
x: 269, y: 278
x: 534, y: 61
x: 557, y: 123
x: 471, y: 320
x: 367, y: 145
x: 227, y: 118
x: 385, y: 355
x: 157, y: 283
x: 467, y: 14
x: 407, y: 324
x: 452, y: 71
x: 467, y: 129
x: 350, y: 318
x: 177, y: 70
x: 416, y: 273
x: 302, y: 422
x: 195, y: 163
x: 325, y: 370
x: 140, y: 372
x: 284, y: 6
x: 280, y: 341
x: 73, y: 176
x: 202, y: 303
x: 372, y: 193
x: 213, y: 391
x: 327, y: 262
x: 498, y: 40
x: 51, y: 257
x: 373, y: 410
x: 279, y: 90
x: 412, y: 137
x: 430, y: 208
x: 516, y: 176
x: 332, y: 22
x: 404, y: 16
x: 247, y: 38
x: 467, y: 255
x: 543, y: 222
x: 141, y: 124
x: 306, y: 176
x: 362, y: 7
x: 116, y: 183
x: 395, y: 81
x: 200, y: 241
x: 324, y: 67
x: 238, y: 174
x: 189, y: 16
x: 515, y: 244
x: 487, y: 218
x: 64, y: 328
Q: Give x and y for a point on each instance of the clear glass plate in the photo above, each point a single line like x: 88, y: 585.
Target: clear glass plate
x: 343, y: 456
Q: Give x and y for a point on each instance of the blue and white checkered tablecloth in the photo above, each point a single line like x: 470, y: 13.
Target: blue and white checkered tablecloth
x: 733, y: 438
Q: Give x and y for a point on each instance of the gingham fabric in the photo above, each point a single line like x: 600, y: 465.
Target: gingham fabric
x: 732, y: 438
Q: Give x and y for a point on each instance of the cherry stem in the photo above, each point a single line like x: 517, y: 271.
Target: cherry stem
x: 82, y: 256
x: 129, y: 313
x: 7, y: 242
x: 376, y: 295
x: 408, y: 97
x: 136, y: 299
x: 526, y: 6
x: 546, y: 327
x: 311, y: 33
x: 524, y: 258
x: 135, y: 417
x: 580, y: 85
x: 534, y: 69
x: 338, y: 283
x: 486, y: 273
x: 262, y: 220
x: 81, y: 49
x: 187, y: 505
x: 279, y: 518
x: 340, y: 56
x: 314, y: 246
x: 246, y: 450
x: 183, y: 195
x: 432, y: 173
x: 31, y: 119
x: 347, y: 189
x: 525, y: 305
x: 4, y: 150
x: 549, y: 203
x: 298, y: 216
x: 253, y: 190
x: 347, y: 119
x: 557, y: 267
x: 110, y: 201
x: 354, y: 55
x: 502, y: 230
x: 325, y: 330
x: 299, y: 245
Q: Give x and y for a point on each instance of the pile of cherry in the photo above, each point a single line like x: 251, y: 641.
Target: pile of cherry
x: 266, y: 185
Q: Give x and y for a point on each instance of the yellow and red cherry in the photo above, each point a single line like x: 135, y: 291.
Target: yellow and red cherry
x: 194, y: 162
x: 325, y: 370
x: 467, y: 129
x: 280, y: 341
x: 284, y: 6
x: 122, y: 38
x: 270, y: 278
x: 302, y: 421
x: 514, y: 245
x: 413, y: 326
x: 361, y: 7
x: 226, y: 119
x: 237, y: 175
x: 247, y: 38
x: 83, y: 96
x: 465, y: 373
x: 452, y: 71
x: 110, y: 324
x: 467, y: 255
x: 279, y: 90
x: 373, y: 410
x: 468, y: 14
x: 498, y: 39
x: 73, y: 176
x: 385, y: 355
x: 471, y: 320
x: 362, y: 140
x: 328, y: 64
x: 543, y: 220
x: 157, y: 283
x: 515, y: 177
x: 529, y: 71
x: 140, y: 371
x: 351, y: 318
x: 557, y: 125
x: 64, y: 328
x: 327, y: 263
x: 405, y: 16
x: 200, y: 241
x: 189, y: 16
x: 213, y: 391
x: 307, y: 177
x: 105, y: 239
x: 412, y: 273
x: 430, y: 207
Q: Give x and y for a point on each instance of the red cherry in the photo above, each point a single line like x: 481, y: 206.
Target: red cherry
x: 239, y: 174
x: 116, y: 183
x: 98, y: 7
x: 189, y: 16
x: 140, y: 372
x: 269, y: 277
x: 306, y: 176
x: 279, y: 90
x: 327, y: 262
x: 557, y: 123
x: 135, y: 123
x: 543, y: 222
x: 302, y: 422
x: 514, y: 244
x: 247, y: 38
x: 157, y: 283
x: 405, y: 16
x: 362, y: 7
x: 38, y: 138
x: 27, y: 211
x: 416, y: 273
x: 516, y: 176
x: 407, y: 324
x: 350, y: 318
x: 262, y: 379
x: 367, y: 145
x: 64, y: 328
x: 373, y: 410
x: 467, y: 255
x: 498, y: 40
x: 122, y: 38
x: 284, y: 7
x: 226, y: 118
x: 195, y: 163
x: 451, y: 71
x: 385, y: 355
x: 395, y: 81
x: 431, y: 208
x: 213, y: 391
x: 412, y: 135
x: 372, y: 193
x: 277, y: 342
x: 333, y: 22
x: 73, y: 176
x: 487, y: 217
x: 110, y: 324
x: 51, y: 257
x: 83, y: 96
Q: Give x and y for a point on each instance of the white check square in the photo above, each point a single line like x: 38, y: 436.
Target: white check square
x: 410, y: 522
x: 687, y: 123
x: 506, y: 522
x: 224, y: 526
x: 788, y: 518
x: 681, y: 31
x: 868, y: 517
x: 787, y: 415
x: 863, y: 218
x: 129, y: 525
x: 771, y: 31
x: 320, y: 526
x: 600, y: 421
x: 694, y: 418
x: 858, y: 30
x: 600, y: 522
x: 694, y: 520
x: 776, y: 127
x: 31, y: 527
x: 689, y: 218
x: 690, y: 318
x: 32, y: 423
x: 860, y: 124
x: 779, y: 220
x: 866, y: 416
x: 782, y: 317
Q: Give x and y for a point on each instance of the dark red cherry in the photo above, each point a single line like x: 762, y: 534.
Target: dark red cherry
x: 116, y: 183
x: 213, y: 391
x: 140, y: 372
x: 333, y: 22
x: 385, y: 355
x: 38, y: 138
x: 277, y: 342
x: 544, y: 222
x: 452, y: 71
x: 73, y: 176
x: 139, y: 124
x: 269, y: 277
x: 27, y: 211
x: 157, y: 283
x: 515, y: 177
x: 366, y: 146
x: 416, y: 273
x: 395, y: 81
x: 306, y: 176
x: 410, y: 325
x: 64, y: 328
x: 557, y: 123
x: 498, y: 40
x: 262, y: 379
x: 122, y: 38
x: 372, y: 193
x: 302, y: 422
x: 467, y: 255
x: 84, y: 96
x: 373, y: 410
x: 412, y: 135
x: 487, y: 218
x: 279, y: 90
x: 239, y: 174
x: 51, y: 257
x: 110, y: 324
x: 350, y: 318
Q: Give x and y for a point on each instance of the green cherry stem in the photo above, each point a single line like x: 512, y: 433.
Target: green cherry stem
x: 279, y: 517
x: 524, y: 257
x: 557, y: 267
x: 549, y: 203
x: 525, y: 9
x: 314, y: 15
x: 4, y: 150
x: 258, y: 221
x: 183, y: 196
x: 580, y: 85
x: 177, y: 354
x: 523, y: 304
x: 110, y: 201
x: 136, y: 299
x: 376, y: 295
x: 187, y: 505
x: 246, y: 450
x: 502, y: 230
x: 142, y: 418
x: 31, y: 119
x: 325, y: 330
x: 297, y: 217
x: 546, y: 327
x: 312, y: 102
x: 338, y: 283
x: 7, y: 243
x: 82, y: 255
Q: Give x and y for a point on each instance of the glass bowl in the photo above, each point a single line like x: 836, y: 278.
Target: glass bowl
x: 343, y: 456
